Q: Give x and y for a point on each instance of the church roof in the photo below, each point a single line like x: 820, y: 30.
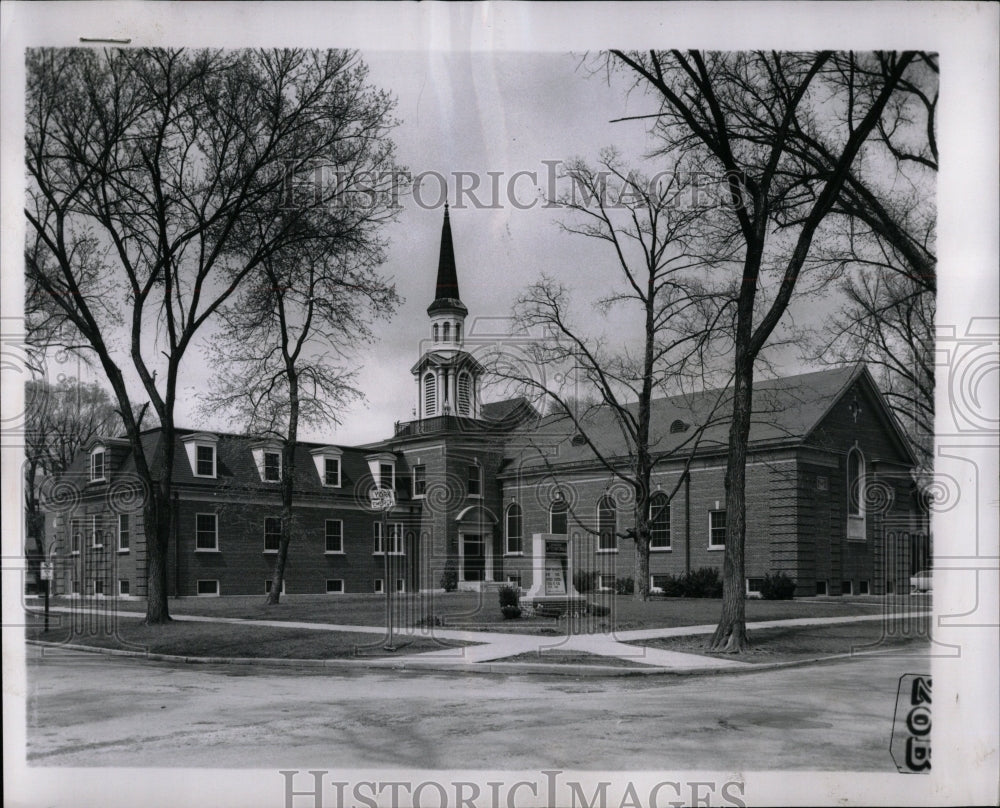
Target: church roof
x: 446, y: 295
x: 786, y: 411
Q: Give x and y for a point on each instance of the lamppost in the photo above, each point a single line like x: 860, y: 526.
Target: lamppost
x: 384, y: 499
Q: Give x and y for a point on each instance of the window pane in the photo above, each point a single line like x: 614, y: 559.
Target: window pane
x: 206, y: 461
x: 419, y: 481
x: 606, y: 524
x: 475, y: 481
x: 205, y: 532
x: 385, y: 475
x: 332, y: 471
x: 272, y: 534
x: 717, y: 528
x: 855, y: 472
x: 659, y: 521
x: 514, y: 529
x: 334, y: 536
x: 272, y: 466
x: 124, y: 534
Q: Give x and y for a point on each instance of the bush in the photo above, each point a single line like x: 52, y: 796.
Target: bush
x: 449, y: 578
x: 585, y: 581
x: 598, y: 609
x: 673, y: 587
x: 702, y: 583
x: 624, y: 586
x: 509, y: 595
x: 777, y: 587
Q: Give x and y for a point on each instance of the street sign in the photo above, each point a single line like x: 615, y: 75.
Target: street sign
x: 382, y: 499
x: 48, y: 571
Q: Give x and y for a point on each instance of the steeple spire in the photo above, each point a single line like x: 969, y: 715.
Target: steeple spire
x: 446, y: 290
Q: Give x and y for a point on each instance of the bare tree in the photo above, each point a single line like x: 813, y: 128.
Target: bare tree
x: 285, y: 345
x: 157, y: 181
x: 60, y: 419
x: 649, y: 231
x: 737, y: 114
x: 887, y: 246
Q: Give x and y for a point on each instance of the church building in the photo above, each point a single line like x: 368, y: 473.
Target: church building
x: 829, y: 493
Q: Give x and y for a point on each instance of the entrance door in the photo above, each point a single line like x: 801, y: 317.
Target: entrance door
x: 474, y: 558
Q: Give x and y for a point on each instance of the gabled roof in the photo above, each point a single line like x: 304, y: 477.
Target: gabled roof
x: 512, y: 412
x: 786, y: 411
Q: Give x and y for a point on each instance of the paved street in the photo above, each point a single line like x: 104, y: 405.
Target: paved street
x: 89, y: 710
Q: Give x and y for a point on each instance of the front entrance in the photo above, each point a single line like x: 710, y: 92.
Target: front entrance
x: 473, y: 557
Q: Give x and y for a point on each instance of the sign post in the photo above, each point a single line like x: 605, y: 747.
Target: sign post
x: 384, y: 499
x: 47, y: 569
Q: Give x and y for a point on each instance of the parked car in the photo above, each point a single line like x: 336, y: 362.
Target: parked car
x: 921, y: 581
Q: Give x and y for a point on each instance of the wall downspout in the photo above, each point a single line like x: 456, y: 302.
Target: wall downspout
x: 687, y: 522
x: 175, y: 507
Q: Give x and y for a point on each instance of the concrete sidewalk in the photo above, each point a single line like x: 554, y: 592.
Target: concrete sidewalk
x: 491, y: 646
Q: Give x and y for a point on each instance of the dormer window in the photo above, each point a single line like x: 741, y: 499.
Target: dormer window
x: 386, y: 475
x: 97, y: 465
x: 205, y: 461
x: 383, y: 470
x: 267, y: 459
x: 327, y: 461
x: 272, y: 467
x: 201, y: 453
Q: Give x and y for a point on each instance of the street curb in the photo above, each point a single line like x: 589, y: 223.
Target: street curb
x: 390, y: 664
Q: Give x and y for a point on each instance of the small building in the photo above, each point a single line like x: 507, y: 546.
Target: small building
x: 830, y: 493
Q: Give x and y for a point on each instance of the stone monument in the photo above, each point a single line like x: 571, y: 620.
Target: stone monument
x: 552, y: 578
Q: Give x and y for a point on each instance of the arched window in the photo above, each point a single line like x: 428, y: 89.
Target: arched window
x: 606, y: 519
x: 855, y: 495
x: 447, y: 332
x: 458, y: 332
x: 430, y: 394
x: 464, y: 394
x: 435, y: 332
x: 514, y: 529
x: 659, y: 522
x: 855, y: 482
x: 559, y: 517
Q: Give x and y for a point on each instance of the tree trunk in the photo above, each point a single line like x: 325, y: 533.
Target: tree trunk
x: 287, y: 488
x: 156, y: 514
x: 642, y: 559
x: 731, y: 633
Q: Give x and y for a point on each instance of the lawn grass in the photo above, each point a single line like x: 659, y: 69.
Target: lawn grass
x: 233, y: 640
x: 794, y: 643
x: 472, y: 610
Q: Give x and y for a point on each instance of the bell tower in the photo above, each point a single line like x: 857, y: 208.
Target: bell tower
x: 447, y: 376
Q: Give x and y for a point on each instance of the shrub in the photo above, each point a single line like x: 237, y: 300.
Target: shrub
x: 598, y: 609
x: 702, y: 583
x: 624, y: 586
x: 777, y: 587
x: 509, y: 595
x: 449, y: 578
x: 673, y: 587
x: 585, y: 581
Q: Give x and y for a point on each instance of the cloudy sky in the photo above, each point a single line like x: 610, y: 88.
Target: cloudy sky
x: 474, y: 113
